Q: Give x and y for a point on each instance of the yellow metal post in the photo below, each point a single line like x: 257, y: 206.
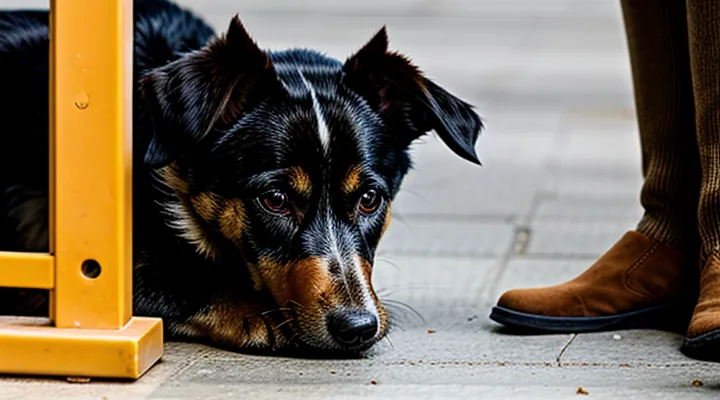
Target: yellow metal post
x: 92, y: 49
x: 27, y: 270
x: 93, y: 332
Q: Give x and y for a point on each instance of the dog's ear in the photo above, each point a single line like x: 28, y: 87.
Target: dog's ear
x: 400, y: 93
x: 204, y: 90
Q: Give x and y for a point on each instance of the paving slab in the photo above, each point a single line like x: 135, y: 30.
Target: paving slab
x: 587, y: 181
x: 178, y: 357
x: 639, y: 347
x: 497, y: 193
x: 597, y: 157
x: 512, y: 150
x: 437, y: 287
x: 576, y: 239
x: 222, y: 375
x: 599, y: 147
x: 587, y: 209
x: 448, y: 321
x: 409, y: 235
x: 242, y: 378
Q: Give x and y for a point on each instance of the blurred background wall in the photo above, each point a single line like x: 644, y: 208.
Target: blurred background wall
x: 499, y: 53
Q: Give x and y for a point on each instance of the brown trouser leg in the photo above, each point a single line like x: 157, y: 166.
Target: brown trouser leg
x: 704, y: 37
x: 703, y: 334
x: 658, y: 44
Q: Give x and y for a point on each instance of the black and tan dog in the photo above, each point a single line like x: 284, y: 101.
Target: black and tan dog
x: 263, y: 180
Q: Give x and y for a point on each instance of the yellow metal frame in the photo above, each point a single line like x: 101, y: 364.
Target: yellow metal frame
x: 89, y: 268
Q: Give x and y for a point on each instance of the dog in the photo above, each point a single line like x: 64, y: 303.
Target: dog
x: 262, y: 183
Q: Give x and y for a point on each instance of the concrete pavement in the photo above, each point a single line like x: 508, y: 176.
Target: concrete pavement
x: 559, y: 185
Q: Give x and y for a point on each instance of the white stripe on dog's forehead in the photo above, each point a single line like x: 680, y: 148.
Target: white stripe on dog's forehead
x: 323, y: 131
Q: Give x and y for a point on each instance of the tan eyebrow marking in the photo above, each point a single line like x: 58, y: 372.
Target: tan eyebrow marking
x: 232, y: 220
x: 300, y: 180
x: 351, y: 182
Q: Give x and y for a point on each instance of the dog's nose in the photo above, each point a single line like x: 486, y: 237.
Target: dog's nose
x: 352, y: 327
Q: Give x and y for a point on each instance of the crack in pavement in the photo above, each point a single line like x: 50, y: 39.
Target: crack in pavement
x: 558, y: 359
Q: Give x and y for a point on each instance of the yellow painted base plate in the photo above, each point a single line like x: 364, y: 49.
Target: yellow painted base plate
x: 29, y: 349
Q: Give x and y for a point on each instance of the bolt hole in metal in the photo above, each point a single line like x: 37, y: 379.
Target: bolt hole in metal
x: 91, y: 269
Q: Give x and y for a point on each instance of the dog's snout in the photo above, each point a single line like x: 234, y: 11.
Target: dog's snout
x: 351, y: 327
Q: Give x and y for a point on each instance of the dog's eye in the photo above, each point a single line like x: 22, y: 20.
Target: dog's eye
x: 369, y: 202
x: 275, y: 202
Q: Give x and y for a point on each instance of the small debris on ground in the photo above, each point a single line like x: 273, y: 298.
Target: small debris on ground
x: 373, y: 382
x: 698, y: 383
x: 78, y: 379
x: 581, y: 390
x: 332, y: 372
x: 431, y: 331
x: 473, y: 318
x: 617, y: 337
x: 522, y: 239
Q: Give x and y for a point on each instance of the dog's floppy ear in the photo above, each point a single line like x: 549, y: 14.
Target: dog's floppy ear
x: 204, y: 90
x: 397, y: 89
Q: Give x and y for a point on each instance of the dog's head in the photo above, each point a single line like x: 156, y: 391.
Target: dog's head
x: 295, y: 158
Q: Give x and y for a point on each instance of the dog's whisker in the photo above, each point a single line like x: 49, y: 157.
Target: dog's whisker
x: 401, y: 219
x: 388, y: 261
x: 397, y: 325
x: 414, y: 193
x: 287, y: 321
x: 386, y: 291
x: 264, y: 313
x: 399, y: 305
x: 398, y: 317
x: 292, y: 338
x: 402, y: 305
x: 297, y: 305
x: 392, y: 345
x: 393, y: 290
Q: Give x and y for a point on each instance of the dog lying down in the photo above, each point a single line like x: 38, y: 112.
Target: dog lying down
x: 263, y: 180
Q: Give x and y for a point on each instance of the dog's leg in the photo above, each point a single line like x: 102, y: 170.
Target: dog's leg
x: 240, y: 322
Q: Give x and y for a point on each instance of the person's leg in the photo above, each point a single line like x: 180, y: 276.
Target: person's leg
x: 644, y: 274
x: 703, y: 336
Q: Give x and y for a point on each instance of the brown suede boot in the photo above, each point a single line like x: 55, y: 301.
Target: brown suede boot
x: 703, y: 335
x: 639, y: 282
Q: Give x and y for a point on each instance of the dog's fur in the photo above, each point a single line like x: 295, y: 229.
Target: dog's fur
x: 263, y: 180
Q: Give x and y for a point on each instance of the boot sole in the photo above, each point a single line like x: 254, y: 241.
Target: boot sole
x: 651, y: 317
x: 704, y: 347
